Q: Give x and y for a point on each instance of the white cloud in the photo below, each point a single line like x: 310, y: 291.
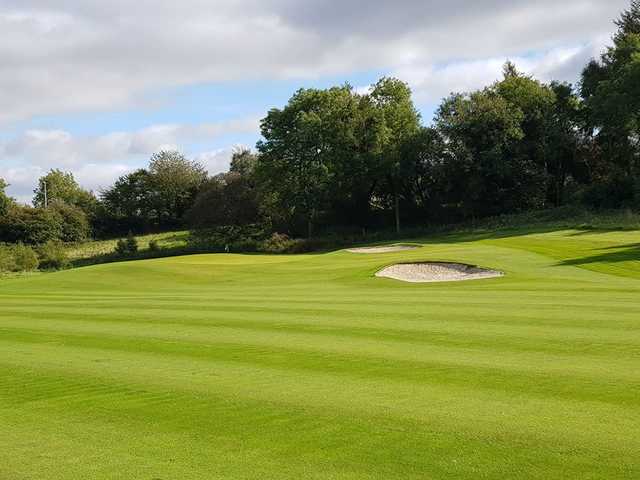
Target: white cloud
x: 59, y: 148
x: 59, y: 56
x: 216, y: 161
x: 62, y: 57
x: 97, y: 161
x: 21, y: 181
x: 430, y: 83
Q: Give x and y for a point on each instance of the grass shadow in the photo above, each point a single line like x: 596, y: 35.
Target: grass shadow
x: 625, y: 253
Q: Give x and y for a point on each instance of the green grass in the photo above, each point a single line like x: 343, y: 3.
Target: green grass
x: 99, y: 248
x: 308, y: 367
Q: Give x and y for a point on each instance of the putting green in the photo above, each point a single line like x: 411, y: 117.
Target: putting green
x: 292, y: 367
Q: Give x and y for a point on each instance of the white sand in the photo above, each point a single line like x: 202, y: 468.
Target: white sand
x: 392, y: 248
x: 436, y: 272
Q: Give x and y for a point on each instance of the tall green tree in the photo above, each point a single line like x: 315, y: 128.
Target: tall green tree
x: 568, y: 143
x: 611, y: 89
x: 481, y: 131
x: 61, y: 186
x: 303, y: 143
x: 34, y: 226
x: 533, y: 152
x: 423, y: 172
x: 227, y: 199
x: 175, y: 181
x: 128, y: 205
x: 243, y: 162
x: 392, y: 98
x: 5, y: 200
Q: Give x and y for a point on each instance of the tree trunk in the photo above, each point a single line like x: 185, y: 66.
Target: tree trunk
x: 396, y: 201
x: 309, y: 227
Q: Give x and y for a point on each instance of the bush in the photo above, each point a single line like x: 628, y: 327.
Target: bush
x: 26, y: 259
x: 121, y: 247
x: 278, y: 243
x: 53, y: 255
x: 75, y: 226
x: 244, y: 246
x: 307, y: 245
x: 18, y: 258
x: 32, y: 226
x: 127, y: 246
x: 614, y: 193
x: 132, y: 243
x: 238, y: 239
x: 7, y: 260
x: 154, y: 246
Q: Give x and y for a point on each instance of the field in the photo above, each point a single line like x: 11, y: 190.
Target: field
x: 309, y: 367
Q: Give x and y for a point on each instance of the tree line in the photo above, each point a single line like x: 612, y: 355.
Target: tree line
x: 339, y: 159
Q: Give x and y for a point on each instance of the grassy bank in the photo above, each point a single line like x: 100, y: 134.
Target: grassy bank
x: 177, y: 243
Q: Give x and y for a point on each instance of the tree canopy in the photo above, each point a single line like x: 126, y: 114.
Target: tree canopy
x: 62, y: 186
x: 5, y: 201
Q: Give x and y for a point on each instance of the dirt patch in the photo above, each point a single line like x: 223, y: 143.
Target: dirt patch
x: 389, y: 249
x: 436, y: 272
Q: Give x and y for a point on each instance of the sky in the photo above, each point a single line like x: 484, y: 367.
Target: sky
x: 95, y: 87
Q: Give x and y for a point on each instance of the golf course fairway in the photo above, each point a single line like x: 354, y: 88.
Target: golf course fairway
x: 309, y: 367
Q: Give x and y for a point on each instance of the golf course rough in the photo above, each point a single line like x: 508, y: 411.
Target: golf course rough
x: 308, y: 366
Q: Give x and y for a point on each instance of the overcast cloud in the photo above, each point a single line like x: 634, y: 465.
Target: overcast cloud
x: 60, y: 57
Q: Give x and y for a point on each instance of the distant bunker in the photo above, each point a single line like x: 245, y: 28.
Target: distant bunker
x: 431, y: 272
x: 389, y: 249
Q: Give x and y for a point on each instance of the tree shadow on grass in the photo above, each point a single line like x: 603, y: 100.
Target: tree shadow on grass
x: 598, y: 231
x: 474, y: 235
x: 622, y: 253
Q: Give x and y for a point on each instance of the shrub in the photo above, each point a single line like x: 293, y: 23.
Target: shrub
x: 53, y: 255
x: 121, y: 247
x: 26, y: 259
x: 127, y: 246
x: 7, y: 261
x: 244, y: 246
x: 614, y: 193
x: 245, y: 238
x: 306, y: 245
x: 75, y: 226
x: 132, y: 243
x: 154, y: 246
x: 277, y: 243
x: 31, y: 226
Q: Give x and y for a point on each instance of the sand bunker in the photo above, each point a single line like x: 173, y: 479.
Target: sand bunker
x: 436, y: 272
x: 389, y: 249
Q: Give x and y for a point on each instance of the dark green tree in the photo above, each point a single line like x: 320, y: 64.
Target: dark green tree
x: 392, y: 98
x: 481, y: 131
x: 228, y: 199
x: 129, y: 204
x: 423, y: 172
x: 73, y: 220
x: 175, y: 182
x: 568, y: 143
x: 302, y: 144
x: 532, y: 153
x: 611, y: 90
x: 33, y: 226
